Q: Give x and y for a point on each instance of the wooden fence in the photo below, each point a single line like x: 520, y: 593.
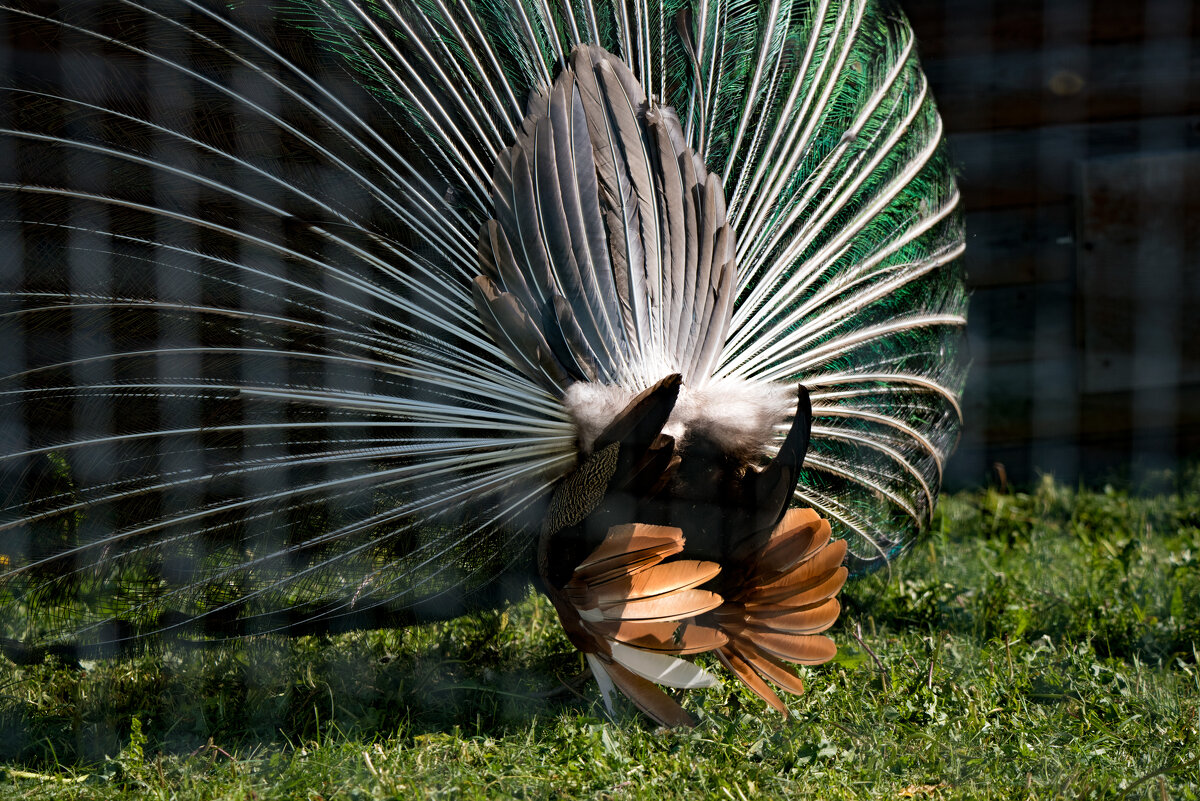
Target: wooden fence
x: 1076, y: 127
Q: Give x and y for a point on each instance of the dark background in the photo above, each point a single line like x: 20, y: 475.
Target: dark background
x: 1076, y: 128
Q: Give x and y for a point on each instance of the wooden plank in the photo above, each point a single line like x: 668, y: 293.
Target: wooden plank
x: 1021, y: 323
x: 973, y: 26
x: 1011, y: 401
x: 1107, y: 414
x: 1139, y: 284
x: 1023, y: 245
x: 1066, y: 84
x: 1014, y: 168
x: 1085, y: 439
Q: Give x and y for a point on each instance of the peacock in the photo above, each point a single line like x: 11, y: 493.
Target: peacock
x: 324, y: 315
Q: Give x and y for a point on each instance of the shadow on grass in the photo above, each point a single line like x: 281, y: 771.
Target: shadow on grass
x: 478, y: 675
x: 1115, y: 569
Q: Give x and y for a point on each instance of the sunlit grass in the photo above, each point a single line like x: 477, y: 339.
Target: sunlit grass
x: 1034, y: 646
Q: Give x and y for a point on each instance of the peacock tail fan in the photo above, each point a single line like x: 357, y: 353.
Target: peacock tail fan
x: 309, y: 307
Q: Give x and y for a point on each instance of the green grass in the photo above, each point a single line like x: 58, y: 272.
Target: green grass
x: 1034, y: 646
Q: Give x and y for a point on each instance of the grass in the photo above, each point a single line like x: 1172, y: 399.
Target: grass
x: 1039, y: 645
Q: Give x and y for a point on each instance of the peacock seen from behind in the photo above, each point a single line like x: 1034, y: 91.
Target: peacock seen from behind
x: 344, y: 314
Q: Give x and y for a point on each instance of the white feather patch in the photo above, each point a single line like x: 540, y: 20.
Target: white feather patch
x: 593, y: 407
x: 739, y: 416
x: 669, y: 671
x: 607, y: 688
x: 590, y: 615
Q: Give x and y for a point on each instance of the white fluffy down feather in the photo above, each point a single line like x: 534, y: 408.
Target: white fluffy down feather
x: 739, y: 416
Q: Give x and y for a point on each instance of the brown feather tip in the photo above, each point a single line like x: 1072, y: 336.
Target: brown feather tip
x: 647, y: 697
x: 634, y: 611
x: 626, y: 579
x: 786, y: 599
x: 633, y: 614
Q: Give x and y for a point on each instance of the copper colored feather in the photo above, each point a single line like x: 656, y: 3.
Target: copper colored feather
x: 632, y: 613
x: 799, y: 570
x: 649, y: 698
x: 733, y: 659
x: 664, y: 636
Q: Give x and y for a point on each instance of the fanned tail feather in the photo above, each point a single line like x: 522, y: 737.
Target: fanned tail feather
x: 300, y: 349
